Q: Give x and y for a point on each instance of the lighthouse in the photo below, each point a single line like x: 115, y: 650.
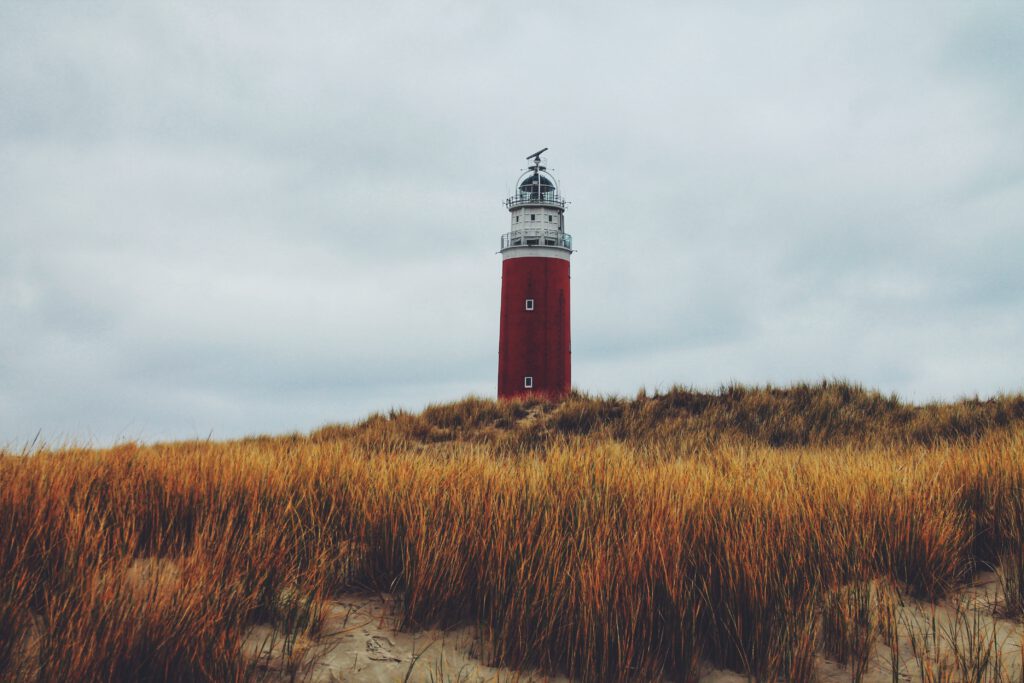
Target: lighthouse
x: 534, y: 357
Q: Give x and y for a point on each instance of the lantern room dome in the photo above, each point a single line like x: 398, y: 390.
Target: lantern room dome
x: 537, y: 185
x: 537, y: 180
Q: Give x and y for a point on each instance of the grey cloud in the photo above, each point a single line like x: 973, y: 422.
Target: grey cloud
x: 264, y: 217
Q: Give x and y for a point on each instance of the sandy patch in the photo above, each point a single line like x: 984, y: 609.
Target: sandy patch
x: 361, y: 642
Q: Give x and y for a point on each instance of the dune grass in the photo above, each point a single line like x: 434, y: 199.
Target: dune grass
x: 606, y: 539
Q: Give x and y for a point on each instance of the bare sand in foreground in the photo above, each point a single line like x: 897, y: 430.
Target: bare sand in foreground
x: 362, y: 643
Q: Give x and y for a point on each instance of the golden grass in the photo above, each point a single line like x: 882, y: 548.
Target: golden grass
x: 602, y: 538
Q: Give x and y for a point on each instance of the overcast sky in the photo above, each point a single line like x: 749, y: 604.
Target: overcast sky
x: 259, y: 218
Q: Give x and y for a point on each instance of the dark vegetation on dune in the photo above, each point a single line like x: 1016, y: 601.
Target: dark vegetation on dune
x: 605, y: 538
x: 827, y: 414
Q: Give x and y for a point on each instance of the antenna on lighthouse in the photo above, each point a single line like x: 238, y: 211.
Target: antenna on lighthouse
x: 536, y: 157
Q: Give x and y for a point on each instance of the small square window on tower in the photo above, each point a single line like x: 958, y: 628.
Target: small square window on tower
x: 529, y: 304
x: 533, y: 216
x: 528, y: 383
x: 549, y: 219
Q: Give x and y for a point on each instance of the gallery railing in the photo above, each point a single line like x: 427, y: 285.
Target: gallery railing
x: 536, y: 237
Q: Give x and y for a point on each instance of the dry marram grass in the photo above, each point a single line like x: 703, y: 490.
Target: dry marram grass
x: 605, y: 539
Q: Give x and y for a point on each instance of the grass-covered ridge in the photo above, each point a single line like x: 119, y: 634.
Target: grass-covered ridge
x: 608, y: 539
x: 824, y: 414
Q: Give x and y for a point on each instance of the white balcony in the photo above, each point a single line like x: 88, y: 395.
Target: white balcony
x: 536, y: 237
x: 535, y: 199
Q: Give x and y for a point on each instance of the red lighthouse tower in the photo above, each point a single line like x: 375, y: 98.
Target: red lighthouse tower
x: 533, y: 344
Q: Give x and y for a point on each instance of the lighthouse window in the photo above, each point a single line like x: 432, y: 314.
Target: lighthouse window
x: 529, y: 304
x: 517, y: 219
x: 528, y: 382
x: 549, y: 219
x: 533, y: 216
